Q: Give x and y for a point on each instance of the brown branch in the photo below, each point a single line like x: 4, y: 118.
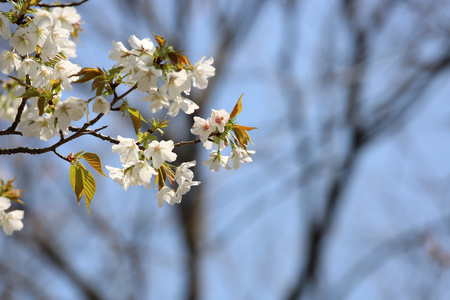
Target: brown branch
x: 184, y: 143
x: 62, y: 5
x: 12, y: 128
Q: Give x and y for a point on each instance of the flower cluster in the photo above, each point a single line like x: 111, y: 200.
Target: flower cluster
x: 221, y: 130
x: 42, y: 43
x: 144, y: 64
x: 139, y: 166
x: 10, y: 221
x: 41, y: 48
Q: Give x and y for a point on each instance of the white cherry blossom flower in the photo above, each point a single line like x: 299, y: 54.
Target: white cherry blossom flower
x: 201, y: 72
x: 72, y: 109
x: 8, y: 107
x: 215, y: 161
x: 139, y: 46
x: 57, y: 41
x: 5, y: 31
x: 42, y: 127
x: 28, y: 66
x: 159, y: 152
x: 101, y: 106
x: 44, y: 75
x: 157, y: 100
x: 123, y: 177
x: 177, y: 83
x: 128, y: 150
x: 202, y: 128
x: 9, y: 61
x: 186, y: 105
x: 39, y: 30
x: 23, y: 41
x: 63, y: 70
x: 183, y: 173
x: 186, y: 187
x: 5, y: 203
x: 143, y: 172
x: 67, y: 16
x: 12, y: 221
x: 219, y: 118
x: 166, y: 194
x: 184, y: 177
x: 238, y: 157
x: 119, y: 53
x: 147, y: 77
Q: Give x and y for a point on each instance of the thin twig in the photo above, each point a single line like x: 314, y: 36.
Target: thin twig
x: 61, y: 156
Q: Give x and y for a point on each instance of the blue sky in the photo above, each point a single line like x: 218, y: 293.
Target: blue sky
x: 255, y: 216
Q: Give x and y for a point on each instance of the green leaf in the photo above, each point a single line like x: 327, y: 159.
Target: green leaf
x: 32, y: 93
x: 89, y: 186
x: 76, y: 180
x: 136, y: 118
x: 114, y: 71
x: 83, y: 183
x: 95, y: 162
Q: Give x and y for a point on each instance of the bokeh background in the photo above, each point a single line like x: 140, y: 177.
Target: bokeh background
x: 348, y: 194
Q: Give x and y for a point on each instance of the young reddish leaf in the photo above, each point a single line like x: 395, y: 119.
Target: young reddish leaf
x: 237, y: 108
x: 99, y: 85
x: 95, y: 162
x: 160, y: 40
x: 183, y: 58
x: 41, y: 105
x: 246, y: 128
x: 242, y: 134
x: 88, y: 74
x: 9, y: 192
x: 173, y: 58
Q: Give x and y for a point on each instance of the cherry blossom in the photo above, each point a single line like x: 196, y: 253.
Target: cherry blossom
x: 202, y: 128
x: 238, y: 157
x: 157, y: 100
x: 166, y: 194
x: 219, y: 118
x: 159, y: 152
x: 9, y: 61
x: 128, y: 150
x: 5, y: 31
x: 215, y: 161
x: 101, y: 106
x: 201, y: 72
x: 72, y: 109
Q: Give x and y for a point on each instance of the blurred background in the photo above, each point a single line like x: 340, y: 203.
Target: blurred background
x: 348, y: 194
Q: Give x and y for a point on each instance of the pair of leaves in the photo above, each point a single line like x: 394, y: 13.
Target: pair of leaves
x: 7, y: 190
x: 82, y: 181
x: 95, y: 74
x: 136, y: 117
x: 241, y: 132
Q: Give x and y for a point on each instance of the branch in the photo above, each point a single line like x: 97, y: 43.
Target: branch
x: 62, y: 5
x: 184, y: 143
x: 12, y: 128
